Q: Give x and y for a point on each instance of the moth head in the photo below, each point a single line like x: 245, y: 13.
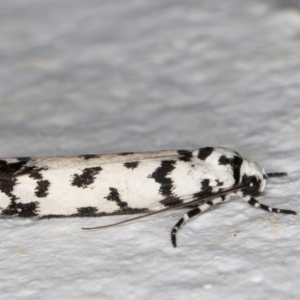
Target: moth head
x: 253, y: 177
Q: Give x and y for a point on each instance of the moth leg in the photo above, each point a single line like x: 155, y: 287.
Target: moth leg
x: 255, y: 203
x: 192, y: 213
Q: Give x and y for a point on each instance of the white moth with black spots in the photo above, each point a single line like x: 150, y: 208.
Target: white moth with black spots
x: 126, y: 183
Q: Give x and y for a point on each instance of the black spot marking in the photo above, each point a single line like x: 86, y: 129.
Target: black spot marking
x: 171, y: 201
x: 11, y: 209
x: 86, y: 178
x: 89, y: 156
x: 252, y: 202
x: 41, y: 190
x: 114, y: 196
x: 210, y: 203
x: 235, y: 163
x: 87, y: 211
x: 27, y: 209
x: 185, y: 155
x: 131, y: 165
x: 160, y: 176
x: 14, y: 208
x: 7, y: 186
x: 36, y: 175
x: 219, y: 183
x: 10, y: 170
x: 194, y: 212
x: 223, y: 160
x: 179, y: 223
x: 21, y: 209
x: 126, y: 153
x: 206, y: 190
x: 205, y: 152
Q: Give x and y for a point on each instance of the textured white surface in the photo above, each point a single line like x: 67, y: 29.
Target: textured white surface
x: 111, y: 76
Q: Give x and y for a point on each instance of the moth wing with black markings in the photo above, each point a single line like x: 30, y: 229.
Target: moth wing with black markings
x: 95, y: 185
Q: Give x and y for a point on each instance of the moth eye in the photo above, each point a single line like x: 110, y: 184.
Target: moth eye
x: 253, y: 185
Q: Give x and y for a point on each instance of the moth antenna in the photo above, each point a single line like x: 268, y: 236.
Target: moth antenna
x: 125, y: 221
x: 180, y: 205
x: 276, y: 174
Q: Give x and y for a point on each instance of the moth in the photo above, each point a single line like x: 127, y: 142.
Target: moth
x: 128, y: 183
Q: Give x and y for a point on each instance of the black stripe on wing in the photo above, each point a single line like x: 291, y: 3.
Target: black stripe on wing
x: 10, y: 170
